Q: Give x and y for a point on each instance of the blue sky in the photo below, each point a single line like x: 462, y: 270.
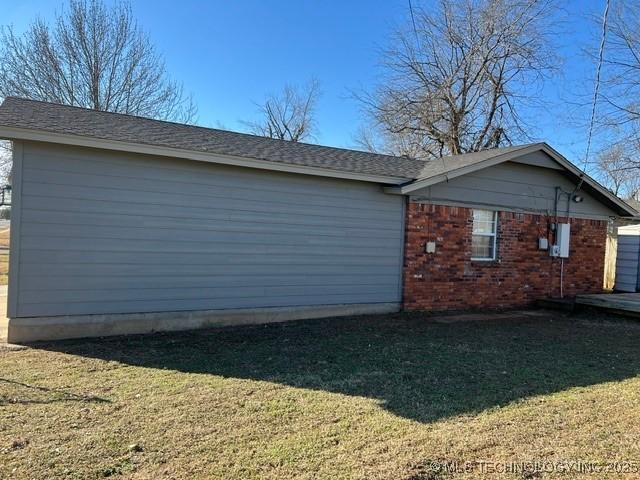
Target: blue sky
x: 230, y: 54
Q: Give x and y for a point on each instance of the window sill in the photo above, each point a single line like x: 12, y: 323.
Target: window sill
x: 485, y: 260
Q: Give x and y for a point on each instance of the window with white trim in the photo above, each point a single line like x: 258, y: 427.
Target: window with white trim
x: 483, y: 240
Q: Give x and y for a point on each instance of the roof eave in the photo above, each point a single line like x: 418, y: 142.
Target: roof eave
x: 419, y: 183
x: 626, y: 209
x: 14, y: 133
x: 617, y: 203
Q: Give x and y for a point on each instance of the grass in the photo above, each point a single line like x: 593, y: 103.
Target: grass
x: 363, y: 397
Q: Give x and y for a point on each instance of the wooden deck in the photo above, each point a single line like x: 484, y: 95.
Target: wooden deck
x: 628, y: 303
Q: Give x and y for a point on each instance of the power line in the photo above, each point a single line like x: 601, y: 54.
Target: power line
x: 596, y: 91
x: 413, y: 21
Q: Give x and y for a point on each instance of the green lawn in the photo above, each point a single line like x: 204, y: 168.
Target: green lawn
x: 363, y: 397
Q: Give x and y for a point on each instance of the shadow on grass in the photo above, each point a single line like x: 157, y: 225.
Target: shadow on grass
x: 417, y: 369
x: 24, y: 394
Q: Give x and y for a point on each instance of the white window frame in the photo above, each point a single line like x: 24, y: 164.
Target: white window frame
x: 494, y: 235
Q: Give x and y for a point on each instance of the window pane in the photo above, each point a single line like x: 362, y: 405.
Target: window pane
x: 483, y: 215
x: 484, y: 221
x: 481, y: 247
x: 483, y: 227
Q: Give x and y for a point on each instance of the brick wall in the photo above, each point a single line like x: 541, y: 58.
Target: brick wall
x: 449, y: 280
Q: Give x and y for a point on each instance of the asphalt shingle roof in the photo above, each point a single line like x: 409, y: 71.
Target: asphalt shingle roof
x: 62, y: 119
x: 47, y: 117
x: 437, y: 167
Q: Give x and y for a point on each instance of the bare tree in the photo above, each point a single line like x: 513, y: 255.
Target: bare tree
x: 289, y: 115
x: 619, y: 171
x: 5, y: 163
x: 619, y: 108
x: 455, y: 80
x: 92, y: 56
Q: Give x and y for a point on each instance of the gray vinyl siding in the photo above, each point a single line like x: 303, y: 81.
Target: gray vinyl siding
x: 514, y: 186
x: 627, y: 263
x: 105, y: 232
x: 538, y: 159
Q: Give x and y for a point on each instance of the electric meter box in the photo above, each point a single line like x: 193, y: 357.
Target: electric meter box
x: 561, y: 247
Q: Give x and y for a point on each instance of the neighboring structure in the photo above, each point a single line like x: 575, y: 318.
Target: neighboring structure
x: 628, y: 259
x: 122, y: 224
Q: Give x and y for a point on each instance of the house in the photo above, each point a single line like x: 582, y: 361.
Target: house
x: 122, y: 224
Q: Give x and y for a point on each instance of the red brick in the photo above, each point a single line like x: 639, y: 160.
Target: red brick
x: 449, y: 280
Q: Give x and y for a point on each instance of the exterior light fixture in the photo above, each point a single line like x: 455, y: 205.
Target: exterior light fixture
x: 578, y: 198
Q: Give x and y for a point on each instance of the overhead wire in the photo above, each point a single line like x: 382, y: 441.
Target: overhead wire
x: 596, y: 92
